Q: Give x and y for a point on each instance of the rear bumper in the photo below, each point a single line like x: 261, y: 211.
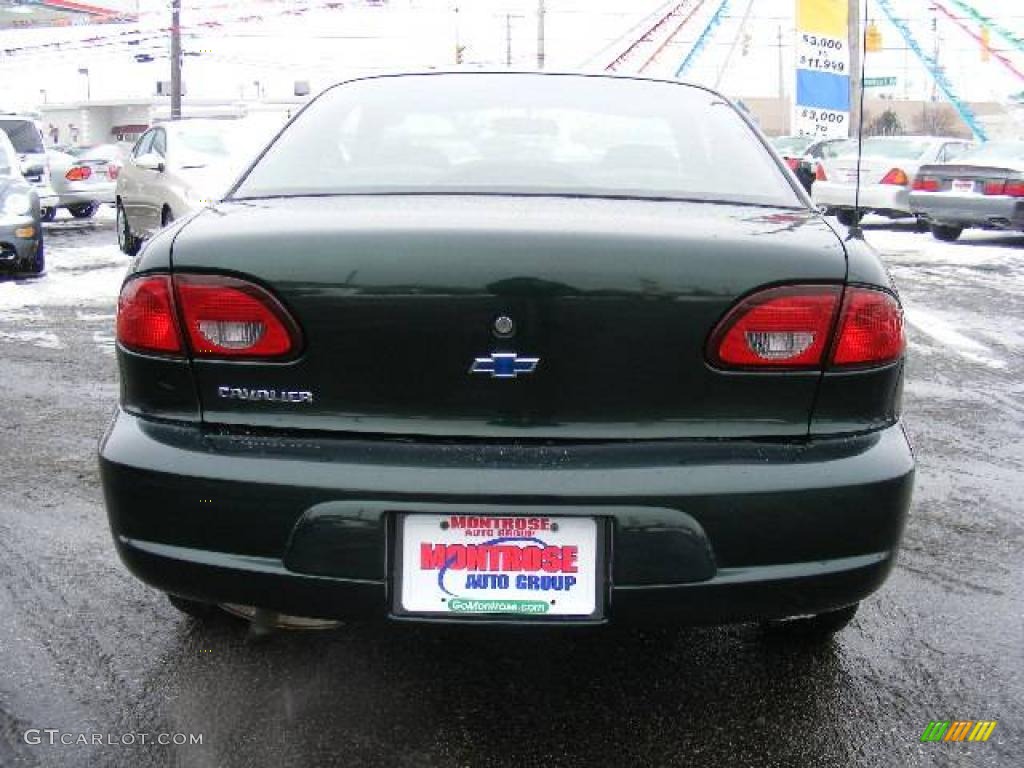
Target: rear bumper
x: 700, y: 531
x: 883, y: 198
x: 84, y: 194
x: 995, y: 211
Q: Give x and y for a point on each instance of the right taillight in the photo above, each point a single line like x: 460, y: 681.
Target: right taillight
x: 819, y: 173
x: 809, y: 327
x: 870, y: 330
x: 784, y: 327
x: 219, y: 317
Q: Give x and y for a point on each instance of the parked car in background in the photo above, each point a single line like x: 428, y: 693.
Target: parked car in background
x: 27, y: 139
x: 888, y: 165
x: 820, y: 150
x: 983, y: 188
x: 792, y: 149
x: 85, y: 178
x: 21, y: 232
x: 179, y: 166
x: 513, y: 348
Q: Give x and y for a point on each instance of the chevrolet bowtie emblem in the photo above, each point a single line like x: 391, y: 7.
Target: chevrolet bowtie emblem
x: 504, y: 365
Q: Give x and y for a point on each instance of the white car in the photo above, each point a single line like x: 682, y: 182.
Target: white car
x: 888, y: 166
x: 178, y: 167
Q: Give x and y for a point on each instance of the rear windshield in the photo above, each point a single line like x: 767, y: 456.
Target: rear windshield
x: 899, y: 149
x: 23, y: 135
x: 995, y: 151
x: 520, y: 134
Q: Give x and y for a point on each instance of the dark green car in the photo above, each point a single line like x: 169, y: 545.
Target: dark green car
x: 511, y: 348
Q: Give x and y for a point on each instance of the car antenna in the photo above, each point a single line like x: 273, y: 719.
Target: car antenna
x: 855, y: 231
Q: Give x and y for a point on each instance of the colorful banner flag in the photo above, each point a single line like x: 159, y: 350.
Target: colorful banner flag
x: 822, y: 104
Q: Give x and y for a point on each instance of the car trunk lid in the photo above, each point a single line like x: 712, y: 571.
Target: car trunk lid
x: 398, y: 299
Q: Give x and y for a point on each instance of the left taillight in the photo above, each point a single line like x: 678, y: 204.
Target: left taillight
x: 222, y: 318
x: 146, y: 320
x: 791, y: 328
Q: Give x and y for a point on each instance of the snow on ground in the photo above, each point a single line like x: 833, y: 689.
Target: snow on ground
x: 970, y: 273
x: 84, y: 270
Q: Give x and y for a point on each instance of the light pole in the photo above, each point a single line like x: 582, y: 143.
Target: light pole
x: 175, y: 59
x: 88, y: 83
x: 508, y: 37
x: 540, y: 34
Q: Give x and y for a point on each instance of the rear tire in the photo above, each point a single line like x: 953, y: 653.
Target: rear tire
x: 193, y: 608
x: 84, y: 210
x: 849, y: 217
x: 47, y: 214
x: 946, y: 234
x: 818, y: 628
x: 126, y: 241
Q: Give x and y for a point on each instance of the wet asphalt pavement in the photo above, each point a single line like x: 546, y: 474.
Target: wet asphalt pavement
x: 87, y: 649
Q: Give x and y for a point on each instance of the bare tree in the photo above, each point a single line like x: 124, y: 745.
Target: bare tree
x: 936, y: 120
x: 886, y: 124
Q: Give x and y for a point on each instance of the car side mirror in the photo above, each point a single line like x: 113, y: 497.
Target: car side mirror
x: 151, y: 161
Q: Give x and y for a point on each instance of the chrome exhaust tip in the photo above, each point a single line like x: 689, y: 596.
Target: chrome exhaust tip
x: 263, y: 620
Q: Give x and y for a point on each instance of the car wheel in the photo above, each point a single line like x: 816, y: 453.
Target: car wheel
x: 84, y: 210
x: 126, y: 241
x: 819, y: 627
x: 38, y: 263
x: 946, y: 233
x: 849, y: 217
x: 47, y: 214
x: 193, y: 608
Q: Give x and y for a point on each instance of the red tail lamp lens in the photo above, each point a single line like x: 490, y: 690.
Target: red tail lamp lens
x: 777, y: 328
x: 896, y: 177
x: 870, y: 329
x: 145, y: 316
x: 926, y: 184
x: 1014, y: 188
x: 819, y: 173
x: 226, y: 317
x: 791, y: 328
x: 78, y: 173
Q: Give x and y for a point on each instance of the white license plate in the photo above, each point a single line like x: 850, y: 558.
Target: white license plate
x: 461, y: 565
x: 963, y: 185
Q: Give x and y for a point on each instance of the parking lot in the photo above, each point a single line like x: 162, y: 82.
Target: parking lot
x: 87, y: 649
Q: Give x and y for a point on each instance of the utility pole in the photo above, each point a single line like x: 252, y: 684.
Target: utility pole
x: 175, y: 59
x: 540, y: 34
x: 782, y: 75
x: 855, y: 46
x: 508, y: 40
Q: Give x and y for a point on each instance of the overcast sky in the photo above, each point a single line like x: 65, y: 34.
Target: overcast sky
x: 323, y: 45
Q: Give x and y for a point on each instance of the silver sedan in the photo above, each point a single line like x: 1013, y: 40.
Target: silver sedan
x: 983, y: 188
x: 85, y: 178
x: 178, y: 167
